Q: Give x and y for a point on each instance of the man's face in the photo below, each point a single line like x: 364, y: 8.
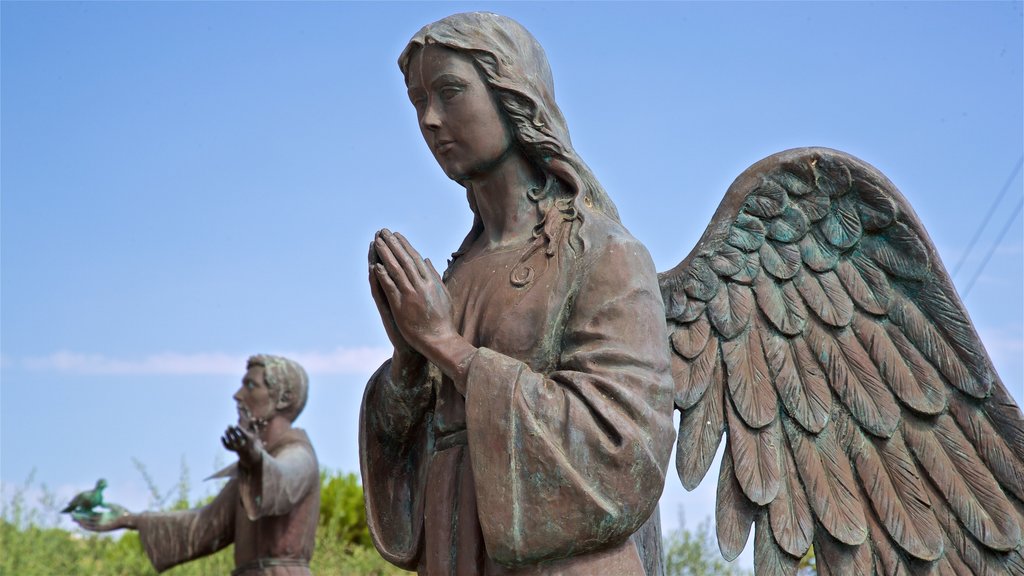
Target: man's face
x: 255, y: 401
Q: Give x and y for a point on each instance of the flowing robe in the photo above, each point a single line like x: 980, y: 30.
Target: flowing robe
x: 269, y: 513
x: 557, y: 453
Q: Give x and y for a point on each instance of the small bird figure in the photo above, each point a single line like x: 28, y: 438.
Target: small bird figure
x: 84, y: 502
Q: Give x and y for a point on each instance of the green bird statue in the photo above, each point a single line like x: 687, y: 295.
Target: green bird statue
x: 84, y: 502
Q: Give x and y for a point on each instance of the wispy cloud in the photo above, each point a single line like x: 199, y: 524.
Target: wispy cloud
x: 339, y: 361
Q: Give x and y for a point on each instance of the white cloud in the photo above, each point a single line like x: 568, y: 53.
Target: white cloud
x: 339, y: 361
x: 342, y: 360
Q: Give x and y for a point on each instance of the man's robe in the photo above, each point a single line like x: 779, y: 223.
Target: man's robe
x: 270, y: 513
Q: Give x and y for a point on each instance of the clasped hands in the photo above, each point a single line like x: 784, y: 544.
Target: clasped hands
x: 416, y: 309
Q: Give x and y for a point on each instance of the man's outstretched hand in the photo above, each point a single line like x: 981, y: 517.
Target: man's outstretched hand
x: 244, y: 443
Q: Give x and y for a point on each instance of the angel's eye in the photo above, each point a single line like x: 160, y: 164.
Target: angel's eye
x: 449, y: 92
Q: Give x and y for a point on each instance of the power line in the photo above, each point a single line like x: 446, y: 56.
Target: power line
x: 984, y: 223
x: 1006, y: 228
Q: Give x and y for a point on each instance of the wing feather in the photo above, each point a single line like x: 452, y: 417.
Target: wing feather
x: 876, y: 208
x: 796, y: 177
x: 781, y: 260
x: 951, y: 565
x: 700, y: 430
x: 730, y: 309
x: 770, y: 558
x: 790, y: 512
x: 767, y: 200
x: 749, y: 384
x: 814, y: 204
x: 934, y: 347
x: 967, y: 487
x: 781, y: 305
x: 1006, y: 466
x: 888, y: 560
x: 758, y: 449
x: 895, y: 368
x: 897, y: 494
x: 789, y: 226
x: 855, y: 379
x: 747, y: 233
x: 749, y: 270
x: 818, y: 254
x: 1015, y: 563
x: 700, y: 281
x: 953, y: 323
x: 844, y: 559
x: 932, y: 386
x: 1007, y: 419
x: 841, y: 226
x: 831, y: 175
x: 689, y: 340
x: 694, y: 376
x: 866, y: 284
x: 828, y: 480
x: 734, y: 513
x: 962, y: 550
x: 692, y: 310
x: 899, y: 251
x: 816, y: 325
x: 825, y: 296
x: 799, y: 380
x: 727, y: 260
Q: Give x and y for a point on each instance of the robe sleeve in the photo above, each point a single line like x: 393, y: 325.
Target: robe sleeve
x: 574, y: 460
x: 170, y: 538
x: 393, y: 454
x: 279, y: 483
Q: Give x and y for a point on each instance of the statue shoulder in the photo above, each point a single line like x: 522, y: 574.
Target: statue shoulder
x: 607, y: 240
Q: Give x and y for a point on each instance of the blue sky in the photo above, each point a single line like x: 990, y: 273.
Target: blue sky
x: 184, y: 184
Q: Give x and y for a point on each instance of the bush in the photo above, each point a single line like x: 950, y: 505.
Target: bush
x: 696, y: 554
x: 33, y: 545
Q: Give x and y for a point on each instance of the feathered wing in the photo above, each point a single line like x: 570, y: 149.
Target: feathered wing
x: 815, y: 325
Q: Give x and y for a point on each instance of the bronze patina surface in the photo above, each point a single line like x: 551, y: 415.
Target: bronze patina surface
x: 524, y: 422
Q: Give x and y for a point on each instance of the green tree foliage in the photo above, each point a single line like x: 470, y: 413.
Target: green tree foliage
x: 808, y: 564
x: 342, y: 514
x: 31, y: 544
x: 696, y: 554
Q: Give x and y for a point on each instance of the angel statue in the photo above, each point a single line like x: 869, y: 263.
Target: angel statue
x: 524, y: 422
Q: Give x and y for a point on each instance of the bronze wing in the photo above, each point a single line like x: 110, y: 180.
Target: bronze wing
x: 815, y: 325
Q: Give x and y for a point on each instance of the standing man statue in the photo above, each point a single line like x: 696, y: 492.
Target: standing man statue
x: 270, y: 506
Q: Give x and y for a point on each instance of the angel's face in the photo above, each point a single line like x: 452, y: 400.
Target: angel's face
x: 458, y: 115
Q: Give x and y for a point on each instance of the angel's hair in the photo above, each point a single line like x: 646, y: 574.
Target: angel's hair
x: 286, y: 378
x: 516, y: 70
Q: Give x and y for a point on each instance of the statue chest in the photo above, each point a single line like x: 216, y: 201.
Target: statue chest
x: 524, y: 322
